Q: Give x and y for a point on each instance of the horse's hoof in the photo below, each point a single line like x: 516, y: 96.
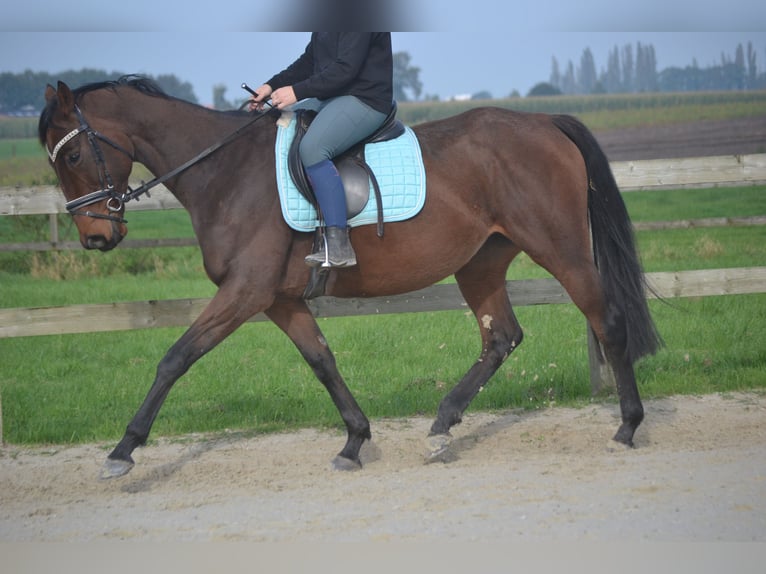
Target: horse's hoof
x: 624, y: 436
x: 114, y: 468
x: 616, y: 445
x: 437, y: 446
x: 345, y: 464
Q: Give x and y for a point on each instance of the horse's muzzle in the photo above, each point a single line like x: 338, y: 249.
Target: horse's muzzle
x: 102, y: 242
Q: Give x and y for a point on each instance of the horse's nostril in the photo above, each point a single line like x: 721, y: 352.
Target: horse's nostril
x: 96, y: 242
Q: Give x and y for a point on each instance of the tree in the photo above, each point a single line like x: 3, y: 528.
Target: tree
x: 544, y: 89
x: 752, y: 70
x: 482, y: 95
x: 612, y: 79
x: 587, y: 77
x: 219, y: 98
x: 569, y: 83
x: 555, y: 79
x: 741, y: 67
x: 19, y: 91
x: 172, y: 86
x: 627, y: 68
x: 406, y: 78
x: 634, y: 69
x: 646, y: 69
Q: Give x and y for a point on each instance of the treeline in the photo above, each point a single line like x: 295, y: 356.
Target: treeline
x: 23, y: 94
x: 634, y: 69
x: 20, y: 93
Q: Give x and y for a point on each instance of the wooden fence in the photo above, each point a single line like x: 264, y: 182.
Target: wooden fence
x: 132, y: 315
x: 631, y: 176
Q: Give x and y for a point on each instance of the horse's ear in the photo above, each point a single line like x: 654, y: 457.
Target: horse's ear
x: 65, y: 97
x: 50, y: 93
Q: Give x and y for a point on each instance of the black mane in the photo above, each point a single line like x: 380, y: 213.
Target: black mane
x: 140, y: 83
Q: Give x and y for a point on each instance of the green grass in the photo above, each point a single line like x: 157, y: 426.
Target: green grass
x: 20, y: 147
x: 696, y: 203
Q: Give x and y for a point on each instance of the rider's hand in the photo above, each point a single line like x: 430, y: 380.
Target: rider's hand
x: 256, y: 102
x: 283, y: 97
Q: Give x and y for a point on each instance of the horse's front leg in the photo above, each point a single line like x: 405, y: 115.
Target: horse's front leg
x: 296, y: 320
x: 221, y: 317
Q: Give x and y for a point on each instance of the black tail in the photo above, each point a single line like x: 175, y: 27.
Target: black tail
x: 614, y: 245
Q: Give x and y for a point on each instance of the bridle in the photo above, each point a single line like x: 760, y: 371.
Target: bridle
x: 115, y: 201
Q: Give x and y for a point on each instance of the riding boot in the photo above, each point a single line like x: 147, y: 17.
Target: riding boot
x: 337, y: 251
x: 328, y: 188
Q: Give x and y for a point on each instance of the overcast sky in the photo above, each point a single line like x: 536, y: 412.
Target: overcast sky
x: 461, y: 47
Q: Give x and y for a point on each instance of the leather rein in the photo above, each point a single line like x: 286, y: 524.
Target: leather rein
x: 115, y: 201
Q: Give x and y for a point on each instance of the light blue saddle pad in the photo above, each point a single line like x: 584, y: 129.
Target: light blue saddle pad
x: 398, y: 167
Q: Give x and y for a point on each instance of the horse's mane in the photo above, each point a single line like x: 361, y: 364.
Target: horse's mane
x: 140, y: 83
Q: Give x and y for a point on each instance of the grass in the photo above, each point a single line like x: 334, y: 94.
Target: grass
x: 696, y: 203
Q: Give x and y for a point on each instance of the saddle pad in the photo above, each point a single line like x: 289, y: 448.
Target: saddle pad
x: 398, y: 167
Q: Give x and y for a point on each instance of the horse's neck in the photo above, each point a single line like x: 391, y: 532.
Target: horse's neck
x: 169, y: 133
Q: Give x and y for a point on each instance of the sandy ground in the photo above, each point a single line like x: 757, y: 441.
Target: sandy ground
x: 698, y: 474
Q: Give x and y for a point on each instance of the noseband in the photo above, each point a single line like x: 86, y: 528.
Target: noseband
x: 115, y: 201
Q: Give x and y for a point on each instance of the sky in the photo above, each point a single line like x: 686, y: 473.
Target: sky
x: 460, y: 47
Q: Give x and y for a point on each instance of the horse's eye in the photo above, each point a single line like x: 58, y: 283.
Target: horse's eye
x: 73, y: 157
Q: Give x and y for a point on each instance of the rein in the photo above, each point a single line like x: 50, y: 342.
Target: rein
x: 116, y: 201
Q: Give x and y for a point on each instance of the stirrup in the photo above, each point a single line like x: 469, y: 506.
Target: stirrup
x: 337, y: 251
x: 321, y: 257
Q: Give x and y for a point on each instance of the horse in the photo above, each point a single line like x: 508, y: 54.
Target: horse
x: 499, y: 182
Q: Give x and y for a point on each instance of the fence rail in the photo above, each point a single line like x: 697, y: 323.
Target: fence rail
x: 123, y: 316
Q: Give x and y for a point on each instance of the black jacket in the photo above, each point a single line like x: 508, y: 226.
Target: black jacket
x: 343, y: 63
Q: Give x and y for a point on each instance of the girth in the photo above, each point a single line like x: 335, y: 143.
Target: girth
x: 354, y: 171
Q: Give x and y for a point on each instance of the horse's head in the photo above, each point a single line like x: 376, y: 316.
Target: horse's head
x: 92, y: 160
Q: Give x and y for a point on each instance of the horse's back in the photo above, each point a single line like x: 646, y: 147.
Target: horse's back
x: 491, y: 134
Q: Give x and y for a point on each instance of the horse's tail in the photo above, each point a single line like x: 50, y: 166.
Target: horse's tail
x: 614, y: 245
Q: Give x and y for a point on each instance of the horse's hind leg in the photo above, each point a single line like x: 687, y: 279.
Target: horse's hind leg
x: 482, y: 283
x: 296, y: 320
x: 609, y: 324
x: 613, y: 339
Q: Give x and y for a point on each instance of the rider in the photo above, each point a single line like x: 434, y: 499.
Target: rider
x: 351, y: 76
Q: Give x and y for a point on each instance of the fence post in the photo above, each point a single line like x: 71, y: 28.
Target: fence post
x: 53, y: 223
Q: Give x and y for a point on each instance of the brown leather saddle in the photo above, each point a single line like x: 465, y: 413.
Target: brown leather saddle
x: 354, y: 171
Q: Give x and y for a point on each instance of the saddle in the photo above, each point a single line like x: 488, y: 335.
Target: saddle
x: 354, y: 171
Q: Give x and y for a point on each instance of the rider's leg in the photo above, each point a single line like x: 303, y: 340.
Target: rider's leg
x: 340, y: 123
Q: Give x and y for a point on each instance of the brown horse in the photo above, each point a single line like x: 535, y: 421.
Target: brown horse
x: 499, y: 183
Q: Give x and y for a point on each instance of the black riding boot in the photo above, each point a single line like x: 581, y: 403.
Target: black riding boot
x: 337, y: 251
